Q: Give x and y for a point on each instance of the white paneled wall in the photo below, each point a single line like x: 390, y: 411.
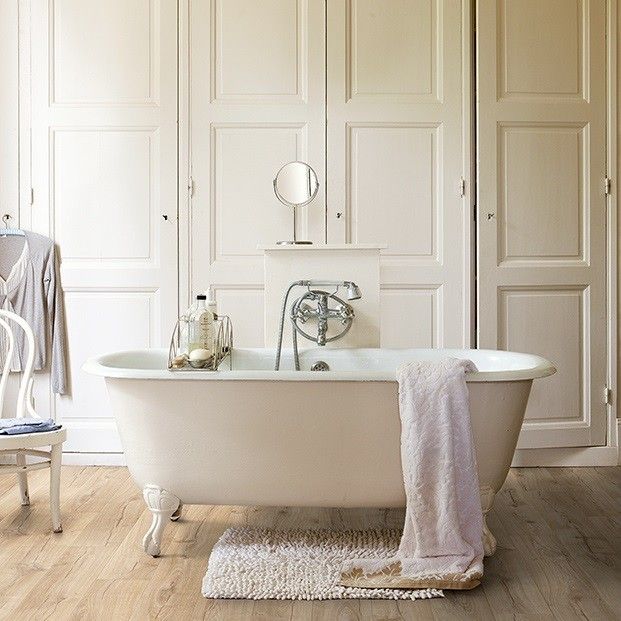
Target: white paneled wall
x: 396, y: 97
x: 104, y: 174
x: 9, y: 109
x: 396, y: 140
x: 542, y: 205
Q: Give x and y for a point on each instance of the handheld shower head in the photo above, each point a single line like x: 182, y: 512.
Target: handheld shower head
x: 353, y: 291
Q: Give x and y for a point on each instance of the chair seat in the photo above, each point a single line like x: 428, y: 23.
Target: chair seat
x: 32, y: 440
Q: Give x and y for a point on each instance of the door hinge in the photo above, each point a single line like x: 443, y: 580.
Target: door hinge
x: 191, y: 186
x: 32, y: 196
x: 462, y: 187
x: 607, y: 185
x: 607, y: 396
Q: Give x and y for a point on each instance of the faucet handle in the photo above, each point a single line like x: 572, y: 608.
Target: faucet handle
x: 346, y: 313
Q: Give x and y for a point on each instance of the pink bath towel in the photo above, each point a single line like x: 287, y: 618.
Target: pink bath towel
x: 442, y: 542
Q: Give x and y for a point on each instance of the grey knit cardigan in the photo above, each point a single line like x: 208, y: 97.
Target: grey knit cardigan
x: 32, y: 290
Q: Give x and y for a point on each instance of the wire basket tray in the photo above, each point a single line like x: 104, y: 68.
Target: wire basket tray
x: 178, y: 360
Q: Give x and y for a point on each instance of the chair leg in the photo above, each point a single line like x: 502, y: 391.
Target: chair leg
x: 22, y: 478
x: 56, y: 461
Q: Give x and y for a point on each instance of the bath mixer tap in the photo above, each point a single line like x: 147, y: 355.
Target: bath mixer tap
x: 303, y: 309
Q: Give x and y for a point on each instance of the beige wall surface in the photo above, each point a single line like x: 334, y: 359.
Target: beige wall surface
x: 617, y: 206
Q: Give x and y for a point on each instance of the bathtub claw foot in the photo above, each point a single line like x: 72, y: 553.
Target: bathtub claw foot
x: 489, y: 541
x: 487, y: 500
x: 150, y: 546
x: 177, y: 514
x: 163, y: 505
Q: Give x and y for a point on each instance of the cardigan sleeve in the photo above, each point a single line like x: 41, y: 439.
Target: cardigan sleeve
x: 56, y: 324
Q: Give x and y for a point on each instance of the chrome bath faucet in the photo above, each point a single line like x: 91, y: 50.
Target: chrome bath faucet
x: 315, y: 304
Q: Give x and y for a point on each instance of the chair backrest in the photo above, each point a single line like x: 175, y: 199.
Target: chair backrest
x: 24, y: 396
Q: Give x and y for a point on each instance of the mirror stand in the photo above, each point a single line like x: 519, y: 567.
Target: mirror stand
x: 295, y: 241
x: 296, y: 185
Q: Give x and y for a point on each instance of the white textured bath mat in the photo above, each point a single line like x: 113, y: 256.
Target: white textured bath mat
x: 249, y: 563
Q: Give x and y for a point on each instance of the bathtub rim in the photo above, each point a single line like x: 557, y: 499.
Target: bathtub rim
x: 97, y: 365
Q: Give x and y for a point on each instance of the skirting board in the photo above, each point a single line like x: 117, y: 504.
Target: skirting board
x: 592, y: 456
x: 608, y: 455
x: 82, y: 459
x: 94, y: 459
x: 566, y: 457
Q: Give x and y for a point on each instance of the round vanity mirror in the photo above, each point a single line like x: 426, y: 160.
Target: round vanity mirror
x: 296, y: 185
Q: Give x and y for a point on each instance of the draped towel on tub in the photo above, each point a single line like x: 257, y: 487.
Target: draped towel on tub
x: 442, y: 542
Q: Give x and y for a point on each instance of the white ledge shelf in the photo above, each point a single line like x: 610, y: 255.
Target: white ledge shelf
x: 323, y: 247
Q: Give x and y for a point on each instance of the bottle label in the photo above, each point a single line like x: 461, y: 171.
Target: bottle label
x: 205, y: 323
x: 202, y: 329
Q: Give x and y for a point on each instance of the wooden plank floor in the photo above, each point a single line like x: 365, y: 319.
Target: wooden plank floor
x: 559, y: 554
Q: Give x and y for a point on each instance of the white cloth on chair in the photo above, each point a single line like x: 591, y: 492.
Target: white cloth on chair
x: 26, y: 424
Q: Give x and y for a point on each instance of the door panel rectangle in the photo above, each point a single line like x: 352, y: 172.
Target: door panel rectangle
x: 543, y: 170
x: 245, y: 211
x: 550, y: 323
x: 105, y: 193
x: 393, y: 49
x: 103, y: 52
x: 411, y: 317
x: 395, y: 203
x: 541, y: 48
x: 258, y: 50
x: 100, y: 321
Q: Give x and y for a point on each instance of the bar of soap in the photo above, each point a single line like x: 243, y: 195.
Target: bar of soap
x: 197, y: 355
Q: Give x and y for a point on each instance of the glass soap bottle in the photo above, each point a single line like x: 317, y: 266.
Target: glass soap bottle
x: 201, y: 333
x: 184, y: 331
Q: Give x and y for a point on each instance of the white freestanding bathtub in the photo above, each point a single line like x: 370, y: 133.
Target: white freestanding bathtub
x: 254, y: 436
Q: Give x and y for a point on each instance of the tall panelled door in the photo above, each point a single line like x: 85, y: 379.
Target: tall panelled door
x: 398, y: 156
x: 104, y: 173
x: 257, y: 101
x: 542, y: 205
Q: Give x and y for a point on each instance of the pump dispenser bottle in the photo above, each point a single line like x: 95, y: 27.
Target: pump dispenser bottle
x: 211, y: 302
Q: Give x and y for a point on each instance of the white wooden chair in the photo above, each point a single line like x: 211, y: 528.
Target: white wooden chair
x: 29, y: 445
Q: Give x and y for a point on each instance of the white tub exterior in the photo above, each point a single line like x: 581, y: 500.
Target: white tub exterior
x: 254, y: 436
